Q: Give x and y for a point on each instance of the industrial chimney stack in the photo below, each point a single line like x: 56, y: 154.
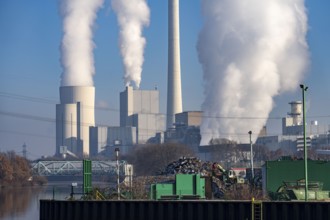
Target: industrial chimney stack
x: 174, y: 96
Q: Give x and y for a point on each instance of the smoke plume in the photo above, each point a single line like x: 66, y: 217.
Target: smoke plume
x: 77, y: 44
x: 132, y: 15
x: 250, y: 52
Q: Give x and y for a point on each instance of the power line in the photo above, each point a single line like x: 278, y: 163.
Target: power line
x: 230, y: 117
x: 27, y: 134
x: 25, y: 116
x: 47, y: 101
x: 27, y: 98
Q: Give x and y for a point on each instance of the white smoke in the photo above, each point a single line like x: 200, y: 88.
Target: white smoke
x: 250, y: 52
x: 77, y: 44
x: 132, y: 15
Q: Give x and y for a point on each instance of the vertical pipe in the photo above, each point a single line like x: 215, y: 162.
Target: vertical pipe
x: 251, y: 156
x: 130, y: 181
x: 174, y: 96
x: 72, y: 193
x: 62, y: 124
x: 117, y: 159
x: 305, y: 147
x: 71, y: 147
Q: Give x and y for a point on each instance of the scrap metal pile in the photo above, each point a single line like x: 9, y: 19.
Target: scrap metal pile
x: 193, y: 165
x: 188, y: 165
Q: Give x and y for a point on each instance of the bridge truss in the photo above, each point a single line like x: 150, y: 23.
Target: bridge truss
x: 75, y: 168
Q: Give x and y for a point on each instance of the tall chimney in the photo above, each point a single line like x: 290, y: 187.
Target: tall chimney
x: 174, y: 96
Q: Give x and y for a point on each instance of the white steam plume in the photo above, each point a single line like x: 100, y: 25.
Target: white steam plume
x: 132, y: 15
x: 250, y: 52
x: 77, y: 44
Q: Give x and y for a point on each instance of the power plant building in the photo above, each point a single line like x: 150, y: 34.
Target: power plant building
x: 140, y: 109
x: 186, y: 130
x: 121, y: 137
x: 74, y: 116
x: 98, y: 137
x: 106, y: 139
x: 292, y: 124
x: 189, y: 118
x: 292, y: 133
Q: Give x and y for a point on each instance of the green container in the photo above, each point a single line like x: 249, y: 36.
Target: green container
x: 277, y: 172
x: 87, y: 178
x: 186, y: 186
x: 312, y: 195
x: 161, y: 189
x: 190, y: 185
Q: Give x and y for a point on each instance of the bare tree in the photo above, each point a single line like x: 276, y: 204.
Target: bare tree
x: 151, y: 158
x: 6, y: 170
x: 16, y: 170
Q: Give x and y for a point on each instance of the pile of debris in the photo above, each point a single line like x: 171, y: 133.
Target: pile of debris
x: 187, y: 165
x: 193, y: 165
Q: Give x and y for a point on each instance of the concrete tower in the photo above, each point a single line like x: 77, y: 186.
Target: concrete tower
x: 296, y: 112
x: 74, y: 116
x: 174, y: 96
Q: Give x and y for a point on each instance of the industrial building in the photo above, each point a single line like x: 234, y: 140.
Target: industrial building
x: 292, y: 139
x: 109, y: 138
x: 98, y: 137
x: 186, y: 130
x: 292, y: 124
x: 140, y: 119
x: 276, y: 142
x: 106, y: 139
x: 74, y: 116
x: 188, y: 118
x: 121, y: 137
x: 140, y: 109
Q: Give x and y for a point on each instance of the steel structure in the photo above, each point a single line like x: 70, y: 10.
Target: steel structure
x: 65, y: 168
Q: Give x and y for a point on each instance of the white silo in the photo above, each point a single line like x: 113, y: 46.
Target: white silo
x: 174, y: 96
x: 74, y: 116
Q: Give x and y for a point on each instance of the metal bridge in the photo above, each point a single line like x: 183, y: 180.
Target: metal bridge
x: 75, y: 168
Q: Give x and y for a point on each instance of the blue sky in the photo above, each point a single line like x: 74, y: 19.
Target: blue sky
x: 30, y: 70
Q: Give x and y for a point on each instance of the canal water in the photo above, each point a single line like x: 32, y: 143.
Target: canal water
x: 22, y: 203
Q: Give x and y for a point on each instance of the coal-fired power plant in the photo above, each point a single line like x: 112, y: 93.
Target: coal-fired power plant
x: 174, y: 96
x: 74, y: 116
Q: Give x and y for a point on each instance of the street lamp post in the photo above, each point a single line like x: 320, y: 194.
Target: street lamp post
x: 130, y: 181
x: 251, y: 157
x: 304, y: 89
x: 117, y: 159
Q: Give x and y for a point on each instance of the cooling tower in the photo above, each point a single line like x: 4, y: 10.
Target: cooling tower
x: 74, y: 116
x: 296, y: 112
x: 174, y: 97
